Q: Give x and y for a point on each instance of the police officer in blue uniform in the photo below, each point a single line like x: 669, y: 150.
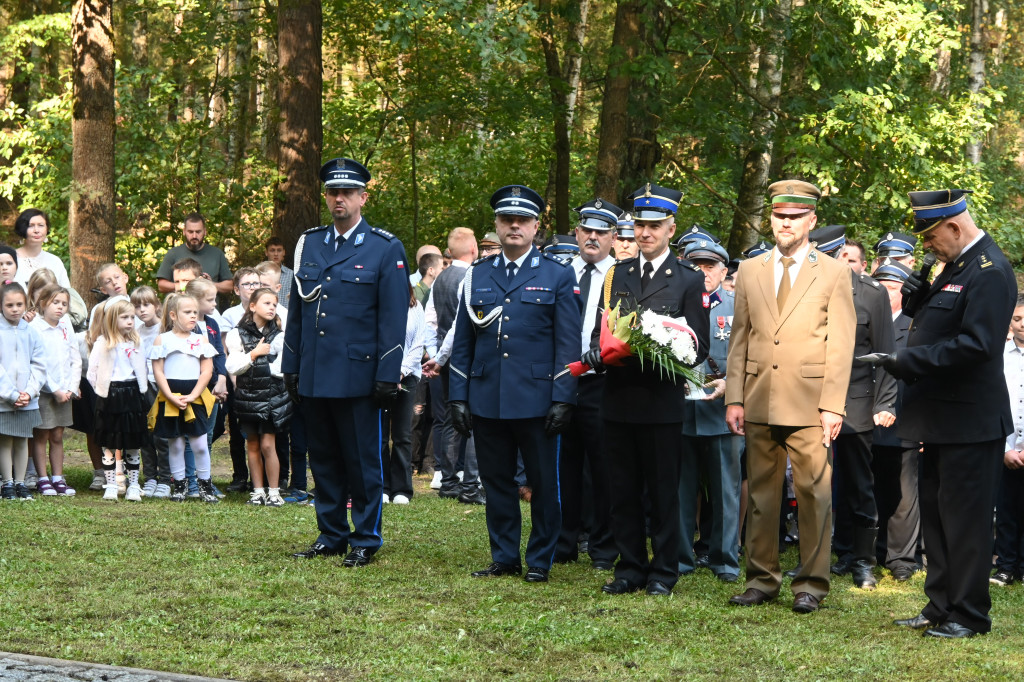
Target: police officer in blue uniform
x: 711, y: 453
x: 343, y: 358
x: 896, y: 246
x: 956, y: 404
x: 643, y: 410
x: 517, y: 329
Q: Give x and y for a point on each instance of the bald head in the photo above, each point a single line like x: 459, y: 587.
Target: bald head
x: 462, y: 244
x: 425, y: 249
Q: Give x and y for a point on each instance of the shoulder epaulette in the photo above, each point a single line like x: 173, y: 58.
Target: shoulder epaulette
x: 383, y: 233
x: 484, y: 259
x: 626, y: 260
x: 984, y: 261
x: 556, y: 259
x: 687, y: 264
x: 870, y: 280
x: 315, y: 229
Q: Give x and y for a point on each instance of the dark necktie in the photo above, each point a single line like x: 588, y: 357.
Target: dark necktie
x: 588, y: 272
x: 648, y: 276
x: 338, y: 241
x: 785, y: 285
x: 511, y: 271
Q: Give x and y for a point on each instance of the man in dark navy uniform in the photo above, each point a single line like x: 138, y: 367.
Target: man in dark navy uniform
x: 343, y: 358
x: 517, y: 329
x: 643, y: 410
x: 957, y: 405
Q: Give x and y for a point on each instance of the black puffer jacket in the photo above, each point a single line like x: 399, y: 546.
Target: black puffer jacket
x: 259, y: 396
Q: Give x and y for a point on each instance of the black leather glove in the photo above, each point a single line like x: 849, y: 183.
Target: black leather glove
x: 291, y: 384
x: 462, y: 420
x: 384, y: 393
x: 592, y: 357
x: 559, y: 416
x: 886, y: 361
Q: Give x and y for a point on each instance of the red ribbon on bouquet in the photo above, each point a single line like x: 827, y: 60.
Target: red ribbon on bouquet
x: 613, y: 350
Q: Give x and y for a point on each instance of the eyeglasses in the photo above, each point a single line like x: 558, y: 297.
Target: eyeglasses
x: 249, y: 285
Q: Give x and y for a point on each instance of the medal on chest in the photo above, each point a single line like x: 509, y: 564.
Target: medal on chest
x: 723, y: 334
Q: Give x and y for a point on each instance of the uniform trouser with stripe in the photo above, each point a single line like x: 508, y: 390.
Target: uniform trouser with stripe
x: 498, y: 441
x: 343, y: 435
x: 642, y: 455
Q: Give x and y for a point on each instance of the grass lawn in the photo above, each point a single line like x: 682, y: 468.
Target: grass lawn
x: 211, y: 590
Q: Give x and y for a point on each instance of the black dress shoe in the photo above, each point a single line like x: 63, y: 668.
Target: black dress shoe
x: 841, y: 567
x: 727, y: 577
x: 237, y: 486
x: 950, y: 630
x: 602, y: 565
x: 472, y: 497
x: 751, y: 597
x: 702, y: 561
x: 620, y: 586
x: 805, y: 603
x: 315, y: 550
x: 918, y: 622
x: 359, y: 556
x: 498, y: 568
x: 658, y: 589
x: 536, y: 574
x: 902, y: 573
x: 794, y: 572
x: 448, y: 492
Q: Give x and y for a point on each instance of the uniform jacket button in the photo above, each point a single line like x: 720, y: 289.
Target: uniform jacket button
x: 504, y: 355
x: 328, y: 278
x: 776, y: 342
x: 773, y: 366
x: 357, y: 279
x: 506, y: 318
x: 324, y: 297
x: 505, y: 336
x: 323, y: 314
x: 321, y: 333
x: 508, y: 300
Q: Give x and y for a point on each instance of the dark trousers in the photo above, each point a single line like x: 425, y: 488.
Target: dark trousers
x: 584, y: 449
x: 642, y: 455
x: 711, y: 464
x: 396, y: 426
x: 290, y: 446
x: 1010, y: 522
x: 422, y: 455
x: 344, y: 455
x: 236, y: 441
x: 899, y: 516
x: 499, y: 440
x: 958, y: 484
x: 456, y: 448
x: 853, y: 489
x: 155, y: 463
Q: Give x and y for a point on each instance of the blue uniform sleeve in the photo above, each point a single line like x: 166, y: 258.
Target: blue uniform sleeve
x: 392, y: 312
x: 568, y: 328
x: 293, y: 331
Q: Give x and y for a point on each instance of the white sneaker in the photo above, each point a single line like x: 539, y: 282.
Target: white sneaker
x: 99, y: 481
x: 162, y: 492
x: 400, y: 499
x: 460, y: 475
x: 31, y: 480
x: 149, y: 488
x: 436, y: 483
x: 133, y: 493
x: 274, y: 498
x: 110, y: 492
x: 387, y: 500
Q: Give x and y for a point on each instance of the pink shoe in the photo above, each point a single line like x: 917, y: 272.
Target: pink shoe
x: 45, y: 487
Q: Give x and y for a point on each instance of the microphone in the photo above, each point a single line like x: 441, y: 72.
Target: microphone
x: 916, y: 287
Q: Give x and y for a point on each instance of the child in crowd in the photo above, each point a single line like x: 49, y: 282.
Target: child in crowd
x: 63, y: 376
x: 155, y: 465
x: 117, y: 373
x: 112, y: 283
x: 270, y: 278
x: 22, y: 373
x: 205, y: 293
x: 8, y: 263
x: 262, y: 405
x: 1009, y: 546
x: 186, y: 270
x: 246, y: 281
x: 182, y: 367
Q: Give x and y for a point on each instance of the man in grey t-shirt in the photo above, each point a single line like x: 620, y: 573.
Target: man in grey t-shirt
x: 214, y: 262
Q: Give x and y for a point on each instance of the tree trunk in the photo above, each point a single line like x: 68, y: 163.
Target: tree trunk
x: 91, y: 216
x: 266, y: 99
x: 563, y: 82
x: 643, y: 151
x: 976, y: 67
x: 239, y: 138
x: 615, y: 103
x: 140, y: 54
x: 300, y: 130
x: 757, y: 162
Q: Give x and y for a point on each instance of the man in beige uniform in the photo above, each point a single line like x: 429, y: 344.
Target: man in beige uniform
x: 789, y: 364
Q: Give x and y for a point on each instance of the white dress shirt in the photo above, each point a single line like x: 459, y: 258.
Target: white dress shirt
x: 798, y: 259
x: 1013, y: 369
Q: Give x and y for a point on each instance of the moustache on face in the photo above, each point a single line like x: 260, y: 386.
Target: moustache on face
x: 592, y: 242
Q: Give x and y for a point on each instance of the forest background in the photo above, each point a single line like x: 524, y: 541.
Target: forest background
x: 119, y: 118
